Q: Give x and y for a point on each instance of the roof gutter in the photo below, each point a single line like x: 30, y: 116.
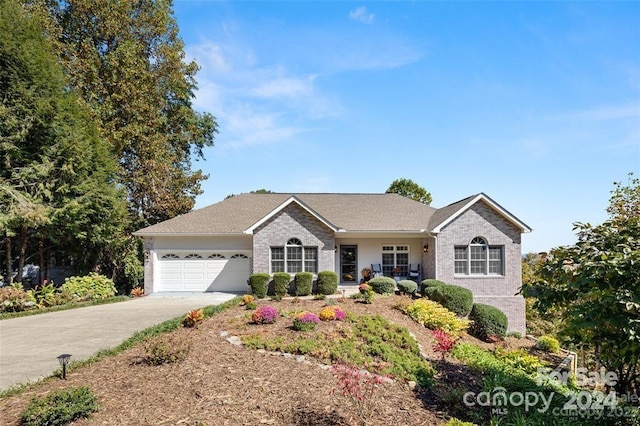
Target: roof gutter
x: 188, y: 234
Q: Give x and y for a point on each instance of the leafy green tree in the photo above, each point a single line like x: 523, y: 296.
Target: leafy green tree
x: 410, y: 189
x: 597, y: 284
x: 126, y: 60
x: 58, y: 174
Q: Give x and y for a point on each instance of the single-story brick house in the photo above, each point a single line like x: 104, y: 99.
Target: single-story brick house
x: 473, y: 243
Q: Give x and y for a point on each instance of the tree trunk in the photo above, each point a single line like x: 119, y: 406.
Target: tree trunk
x: 9, y: 265
x: 22, y: 253
x: 41, y: 262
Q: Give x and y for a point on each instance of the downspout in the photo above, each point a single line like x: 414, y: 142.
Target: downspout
x: 435, y: 254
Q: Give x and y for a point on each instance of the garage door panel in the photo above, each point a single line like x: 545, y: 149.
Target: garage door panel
x: 204, y: 274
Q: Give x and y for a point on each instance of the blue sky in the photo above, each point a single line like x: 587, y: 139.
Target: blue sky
x: 536, y: 104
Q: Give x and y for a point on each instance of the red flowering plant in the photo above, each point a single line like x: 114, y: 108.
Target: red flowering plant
x: 444, y: 342
x: 265, y: 315
x: 359, y: 386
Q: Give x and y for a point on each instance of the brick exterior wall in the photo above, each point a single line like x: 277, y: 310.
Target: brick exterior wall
x: 480, y: 220
x: 293, y: 222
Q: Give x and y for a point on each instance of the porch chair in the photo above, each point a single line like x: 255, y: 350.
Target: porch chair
x: 376, y: 268
x: 414, y: 272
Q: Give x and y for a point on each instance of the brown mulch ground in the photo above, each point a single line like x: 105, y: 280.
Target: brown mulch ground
x: 223, y: 384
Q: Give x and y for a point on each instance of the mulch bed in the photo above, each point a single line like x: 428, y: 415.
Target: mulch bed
x: 223, y: 384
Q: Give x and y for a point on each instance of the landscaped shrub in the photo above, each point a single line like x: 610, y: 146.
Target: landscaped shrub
x: 46, y: 295
x: 247, y: 298
x: 383, y: 285
x: 259, y: 284
x: 340, y: 314
x: 137, y: 292
x: 457, y: 422
x: 265, y: 315
x: 13, y: 298
x: 520, y: 359
x: 60, y: 407
x: 304, y: 283
x: 436, y: 317
x: 407, y: 287
x: 456, y: 299
x: 92, y: 286
x: 548, y: 344
x: 444, y: 342
x: 306, y: 321
x: 488, y: 322
x: 167, y: 349
x: 327, y: 282
x: 281, y: 282
x: 431, y: 283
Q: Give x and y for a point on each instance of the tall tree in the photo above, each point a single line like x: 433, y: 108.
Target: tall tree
x: 596, y: 283
x: 56, y: 171
x: 410, y: 189
x: 127, y: 61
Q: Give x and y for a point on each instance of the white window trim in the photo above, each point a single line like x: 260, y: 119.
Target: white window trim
x: 487, y: 261
x: 302, y: 259
x: 395, y: 253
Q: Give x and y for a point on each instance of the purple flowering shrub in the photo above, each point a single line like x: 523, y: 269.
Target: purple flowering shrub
x: 305, y: 321
x: 340, y: 314
x: 265, y: 315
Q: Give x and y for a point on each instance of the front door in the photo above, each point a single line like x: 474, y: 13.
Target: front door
x: 349, y: 264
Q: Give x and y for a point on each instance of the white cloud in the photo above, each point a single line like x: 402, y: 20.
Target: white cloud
x: 285, y: 87
x: 362, y: 15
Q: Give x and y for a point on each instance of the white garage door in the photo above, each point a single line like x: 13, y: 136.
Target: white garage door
x: 203, y: 271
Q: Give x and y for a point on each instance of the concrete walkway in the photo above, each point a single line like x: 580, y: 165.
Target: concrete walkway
x: 29, y: 345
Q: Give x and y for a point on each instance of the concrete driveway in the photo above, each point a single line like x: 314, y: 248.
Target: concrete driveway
x: 29, y: 345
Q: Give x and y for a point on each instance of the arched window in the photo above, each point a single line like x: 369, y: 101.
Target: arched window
x: 479, y: 258
x: 294, y: 257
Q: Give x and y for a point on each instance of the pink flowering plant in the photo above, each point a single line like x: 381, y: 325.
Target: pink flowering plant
x: 340, y: 314
x: 305, y: 321
x: 265, y: 315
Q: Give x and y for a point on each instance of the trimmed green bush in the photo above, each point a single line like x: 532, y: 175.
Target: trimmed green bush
x: 436, y: 317
x: 93, y: 286
x: 455, y: 298
x: 431, y: 283
x: 407, y: 286
x: 303, y: 283
x: 548, y: 344
x: 488, y: 322
x: 281, y: 282
x: 60, y: 407
x: 259, y: 284
x: 327, y: 282
x: 383, y: 285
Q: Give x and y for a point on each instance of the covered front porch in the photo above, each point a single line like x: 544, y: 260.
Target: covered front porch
x: 398, y: 256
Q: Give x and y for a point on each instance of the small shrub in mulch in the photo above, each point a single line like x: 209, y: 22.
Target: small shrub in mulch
x: 303, y: 283
x: 167, y: 349
x: 383, y: 285
x: 327, y: 282
x: 331, y: 313
x: 435, y: 316
x: 548, y: 344
x: 455, y: 298
x: 281, y: 282
x: 489, y: 322
x: 407, y: 287
x: 259, y: 284
x: 60, y: 407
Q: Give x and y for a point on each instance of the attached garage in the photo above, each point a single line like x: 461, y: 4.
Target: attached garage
x: 203, y: 271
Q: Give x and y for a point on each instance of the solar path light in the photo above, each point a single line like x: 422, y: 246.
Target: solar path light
x: 64, y: 360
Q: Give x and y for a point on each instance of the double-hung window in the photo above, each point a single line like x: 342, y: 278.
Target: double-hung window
x: 478, y: 258
x: 294, y: 257
x: 395, y: 257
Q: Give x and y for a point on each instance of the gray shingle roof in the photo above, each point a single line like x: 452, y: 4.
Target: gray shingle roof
x: 348, y: 212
